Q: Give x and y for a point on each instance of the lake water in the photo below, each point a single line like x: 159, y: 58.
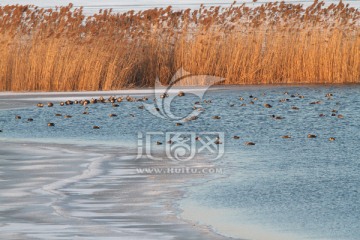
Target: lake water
x: 295, y: 188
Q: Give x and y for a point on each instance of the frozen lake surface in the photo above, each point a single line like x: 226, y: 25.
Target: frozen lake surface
x: 298, y: 187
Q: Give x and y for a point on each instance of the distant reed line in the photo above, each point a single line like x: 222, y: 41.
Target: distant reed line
x: 276, y: 43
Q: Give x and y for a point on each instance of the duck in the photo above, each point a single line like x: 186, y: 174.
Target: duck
x: 129, y: 99
x: 96, y: 127
x: 62, y: 103
x: 216, y: 117
x: 276, y: 117
x: 86, y: 111
x: 158, y: 143
x: 321, y: 115
x: 294, y: 108
x: 93, y: 101
x: 50, y: 104
x: 286, y: 136
x: 340, y: 116
x: 192, y: 118
x: 284, y: 100
x: 76, y: 102
x: 69, y: 102
x: 301, y: 96
x: 217, y: 141
x: 311, y: 136
x: 101, y: 99
x: 243, y: 105
x: 67, y: 116
x: 58, y: 114
x: 267, y: 105
x: 40, y: 105
x: 316, y: 102
x: 164, y: 95
x: 178, y: 124
x: 241, y: 99
x: 181, y: 94
x: 331, y: 139
x: 249, y: 143
x: 50, y: 124
x: 236, y: 137
x: 328, y: 95
x: 115, y: 105
x: 112, y: 115
x: 112, y: 99
x: 17, y: 117
x: 119, y: 99
x: 30, y: 119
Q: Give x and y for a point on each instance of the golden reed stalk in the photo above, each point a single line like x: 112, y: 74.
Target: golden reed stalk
x: 276, y: 43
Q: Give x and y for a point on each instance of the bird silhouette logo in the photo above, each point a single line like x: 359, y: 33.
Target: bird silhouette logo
x: 164, y: 95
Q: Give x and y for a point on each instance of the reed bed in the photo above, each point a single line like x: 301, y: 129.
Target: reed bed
x: 62, y: 49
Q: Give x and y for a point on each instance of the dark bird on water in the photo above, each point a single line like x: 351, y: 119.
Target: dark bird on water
x: 267, y: 105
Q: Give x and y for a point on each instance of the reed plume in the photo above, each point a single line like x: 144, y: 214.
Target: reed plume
x: 62, y: 49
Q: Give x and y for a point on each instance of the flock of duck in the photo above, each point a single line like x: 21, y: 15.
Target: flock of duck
x: 115, y: 101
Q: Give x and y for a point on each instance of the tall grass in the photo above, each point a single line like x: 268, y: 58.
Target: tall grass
x: 62, y: 49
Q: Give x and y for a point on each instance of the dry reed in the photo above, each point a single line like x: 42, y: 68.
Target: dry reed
x: 276, y: 43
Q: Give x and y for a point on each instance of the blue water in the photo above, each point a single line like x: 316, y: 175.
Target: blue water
x: 308, y: 188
